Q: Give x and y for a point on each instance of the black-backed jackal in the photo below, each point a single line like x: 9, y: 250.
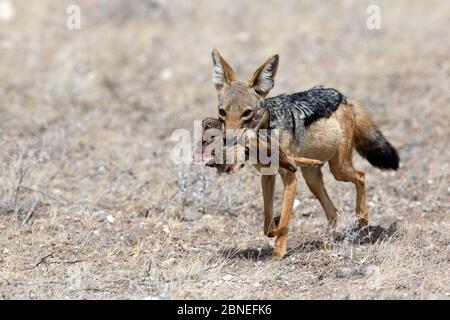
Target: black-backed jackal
x: 319, y: 124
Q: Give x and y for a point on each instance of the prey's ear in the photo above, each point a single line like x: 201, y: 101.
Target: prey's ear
x: 223, y: 73
x: 263, y: 78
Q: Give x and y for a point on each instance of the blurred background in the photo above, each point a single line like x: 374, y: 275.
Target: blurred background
x: 86, y: 116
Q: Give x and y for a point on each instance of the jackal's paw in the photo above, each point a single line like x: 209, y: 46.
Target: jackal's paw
x: 279, y: 251
x: 361, y: 224
x: 272, y: 232
x: 273, y: 229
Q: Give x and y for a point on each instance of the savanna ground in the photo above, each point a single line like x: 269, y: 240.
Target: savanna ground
x: 92, y: 207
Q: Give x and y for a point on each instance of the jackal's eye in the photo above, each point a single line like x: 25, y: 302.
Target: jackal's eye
x: 222, y: 113
x: 247, y: 113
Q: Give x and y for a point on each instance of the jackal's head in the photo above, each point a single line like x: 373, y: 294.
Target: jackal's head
x: 239, y: 101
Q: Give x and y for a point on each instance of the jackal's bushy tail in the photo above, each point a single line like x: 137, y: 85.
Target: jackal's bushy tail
x: 371, y: 143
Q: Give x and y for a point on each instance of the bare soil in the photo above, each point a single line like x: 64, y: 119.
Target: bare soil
x: 92, y: 207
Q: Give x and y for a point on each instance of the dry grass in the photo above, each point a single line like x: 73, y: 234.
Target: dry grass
x: 92, y: 207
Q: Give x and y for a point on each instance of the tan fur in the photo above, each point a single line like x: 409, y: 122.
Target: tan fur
x: 290, y: 188
x: 306, y: 162
x: 268, y: 189
x: 365, y: 126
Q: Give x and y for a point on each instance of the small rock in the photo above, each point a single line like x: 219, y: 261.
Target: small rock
x: 296, y: 204
x: 166, y: 74
x: 100, y: 169
x: 306, y: 214
x: 110, y: 219
x: 169, y: 261
x: 228, y: 277
x: 166, y: 230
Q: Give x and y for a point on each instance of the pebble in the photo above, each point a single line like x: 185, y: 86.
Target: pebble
x: 166, y: 74
x: 228, y: 277
x: 296, y: 204
x: 110, y: 218
x: 169, y: 261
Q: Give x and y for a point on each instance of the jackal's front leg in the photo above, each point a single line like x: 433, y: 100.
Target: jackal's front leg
x: 290, y: 188
x: 268, y: 188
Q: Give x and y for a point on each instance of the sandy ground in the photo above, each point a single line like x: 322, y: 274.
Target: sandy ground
x: 91, y: 207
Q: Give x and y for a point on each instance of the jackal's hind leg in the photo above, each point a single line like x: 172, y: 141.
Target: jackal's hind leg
x: 314, y: 181
x: 341, y: 166
x: 346, y: 172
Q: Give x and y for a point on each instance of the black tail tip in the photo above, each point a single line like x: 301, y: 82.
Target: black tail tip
x: 384, y: 157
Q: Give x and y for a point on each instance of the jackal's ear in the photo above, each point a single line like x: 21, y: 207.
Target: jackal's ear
x: 223, y: 73
x: 263, y: 78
